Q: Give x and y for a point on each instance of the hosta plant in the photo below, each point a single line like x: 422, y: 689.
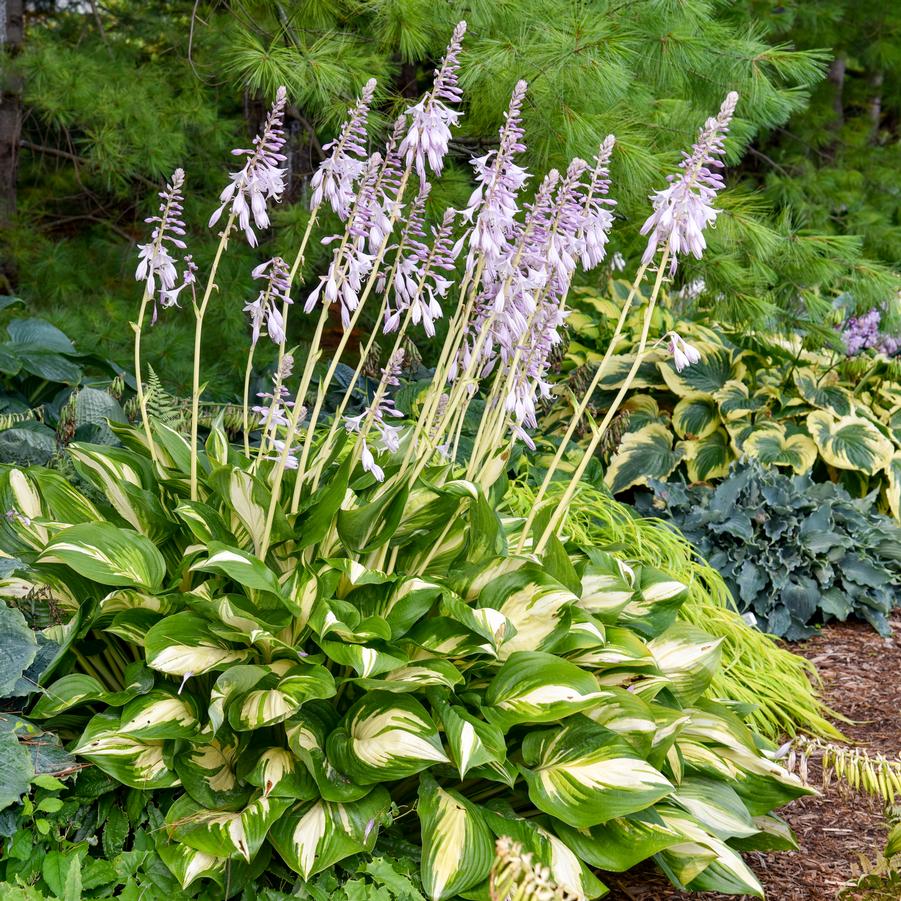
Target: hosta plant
x: 328, y: 636
x: 751, y: 394
x: 794, y: 553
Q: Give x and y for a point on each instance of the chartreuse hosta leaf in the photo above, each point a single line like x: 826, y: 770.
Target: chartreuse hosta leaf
x: 584, y: 774
x: 533, y: 602
x: 644, y: 454
x: 106, y: 554
x: 688, y: 659
x: 774, y: 444
x: 385, y: 736
x: 311, y: 837
x: 534, y: 687
x: 849, y: 442
x: 224, y: 833
x: 708, y: 457
x: 184, y: 644
x: 457, y: 849
x: 696, y: 415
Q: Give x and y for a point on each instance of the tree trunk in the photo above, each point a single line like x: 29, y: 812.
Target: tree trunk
x: 875, y: 105
x: 11, y: 35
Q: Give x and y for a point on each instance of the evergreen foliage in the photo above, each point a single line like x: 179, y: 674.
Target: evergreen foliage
x: 118, y: 100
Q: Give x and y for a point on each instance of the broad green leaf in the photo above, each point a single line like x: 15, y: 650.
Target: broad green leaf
x: 717, y: 367
x: 654, y: 606
x: 818, y: 392
x: 534, y: 687
x: 772, y: 444
x: 18, y: 648
x: 584, y: 775
x: 16, y: 770
x: 207, y: 772
x: 708, y: 457
x: 244, y: 568
x: 715, y: 806
x: 185, y: 645
x: 688, y: 659
x: 78, y: 688
x: 364, y: 528
x: 159, y: 714
x: 628, y: 715
x: 457, y: 850
x: 385, y: 736
x: 280, y: 774
x: 645, y: 454
x: 107, y: 554
x: 229, y: 834
x: 267, y: 706
x: 695, y: 416
x: 472, y: 741
x: 849, y: 442
x: 314, y: 836
x: 137, y: 763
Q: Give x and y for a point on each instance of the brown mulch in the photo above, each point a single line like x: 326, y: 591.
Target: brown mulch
x: 861, y: 675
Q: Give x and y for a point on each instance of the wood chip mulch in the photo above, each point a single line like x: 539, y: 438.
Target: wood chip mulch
x: 861, y: 675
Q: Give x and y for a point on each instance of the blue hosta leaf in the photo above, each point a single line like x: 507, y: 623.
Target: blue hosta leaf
x: 18, y: 647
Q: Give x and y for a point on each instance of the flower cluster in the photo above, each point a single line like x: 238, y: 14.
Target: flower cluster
x: 265, y: 309
x: 430, y: 129
x: 684, y: 209
x: 337, y: 174
x: 597, y: 215
x: 261, y: 179
x: 155, y: 262
x: 276, y: 413
x: 684, y: 354
x: 862, y: 333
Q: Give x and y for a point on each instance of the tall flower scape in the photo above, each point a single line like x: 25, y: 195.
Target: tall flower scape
x: 311, y: 636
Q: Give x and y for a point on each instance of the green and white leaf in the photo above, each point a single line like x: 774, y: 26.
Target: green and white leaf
x: 644, y: 454
x: 774, y: 445
x: 184, y: 644
x: 850, y: 442
x: 696, y: 415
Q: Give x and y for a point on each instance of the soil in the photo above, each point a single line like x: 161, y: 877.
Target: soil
x: 861, y: 675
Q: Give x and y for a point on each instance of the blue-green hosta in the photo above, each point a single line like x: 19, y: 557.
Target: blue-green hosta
x: 389, y: 655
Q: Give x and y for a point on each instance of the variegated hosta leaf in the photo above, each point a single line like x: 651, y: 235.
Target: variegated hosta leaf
x: 416, y: 676
x: 407, y: 602
x: 622, y: 648
x: 617, y: 371
x: 849, y: 442
x: 655, y: 603
x: 487, y: 622
x: 715, y: 806
x: 472, y: 742
x: 248, y: 501
x: 244, y: 568
x: 893, y: 489
x: 628, y: 715
x: 188, y: 865
x: 281, y: 775
x: 136, y: 763
x: 125, y: 599
x: 77, y: 688
x: 717, y: 367
x: 365, y: 661
x: 371, y: 524
x: 385, y: 736
x: 229, y: 834
x: 533, y: 687
x: 207, y: 772
x: 184, y: 644
x: 607, y: 586
x: 774, y: 445
x: 818, y: 393
x: 708, y: 457
x: 688, y: 658
x: 104, y: 553
x: 205, y: 523
x: 735, y: 402
x: 723, y: 870
x: 696, y: 415
x: 313, y: 837
x: 267, y: 706
x: 456, y: 845
x: 159, y: 714
x: 644, y: 454
x: 584, y: 775
x: 621, y: 843
x: 533, y: 602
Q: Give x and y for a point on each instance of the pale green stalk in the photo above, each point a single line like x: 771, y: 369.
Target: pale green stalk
x: 581, y: 407
x: 199, y: 313
x: 248, y: 371
x: 139, y: 381
x: 556, y: 516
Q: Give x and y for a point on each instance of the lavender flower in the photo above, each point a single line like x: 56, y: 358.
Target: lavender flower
x: 261, y: 179
x: 684, y: 354
x: 337, y: 174
x: 863, y: 333
x: 684, y: 209
x: 155, y: 260
x: 597, y: 217
x: 265, y: 309
x: 499, y: 180
x: 617, y: 262
x: 432, y: 119
x: 374, y: 417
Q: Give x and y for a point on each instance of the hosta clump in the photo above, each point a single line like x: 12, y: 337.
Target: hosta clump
x: 794, y: 552
x: 299, y: 704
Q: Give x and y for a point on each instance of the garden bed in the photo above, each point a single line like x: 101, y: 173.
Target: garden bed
x: 860, y: 676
